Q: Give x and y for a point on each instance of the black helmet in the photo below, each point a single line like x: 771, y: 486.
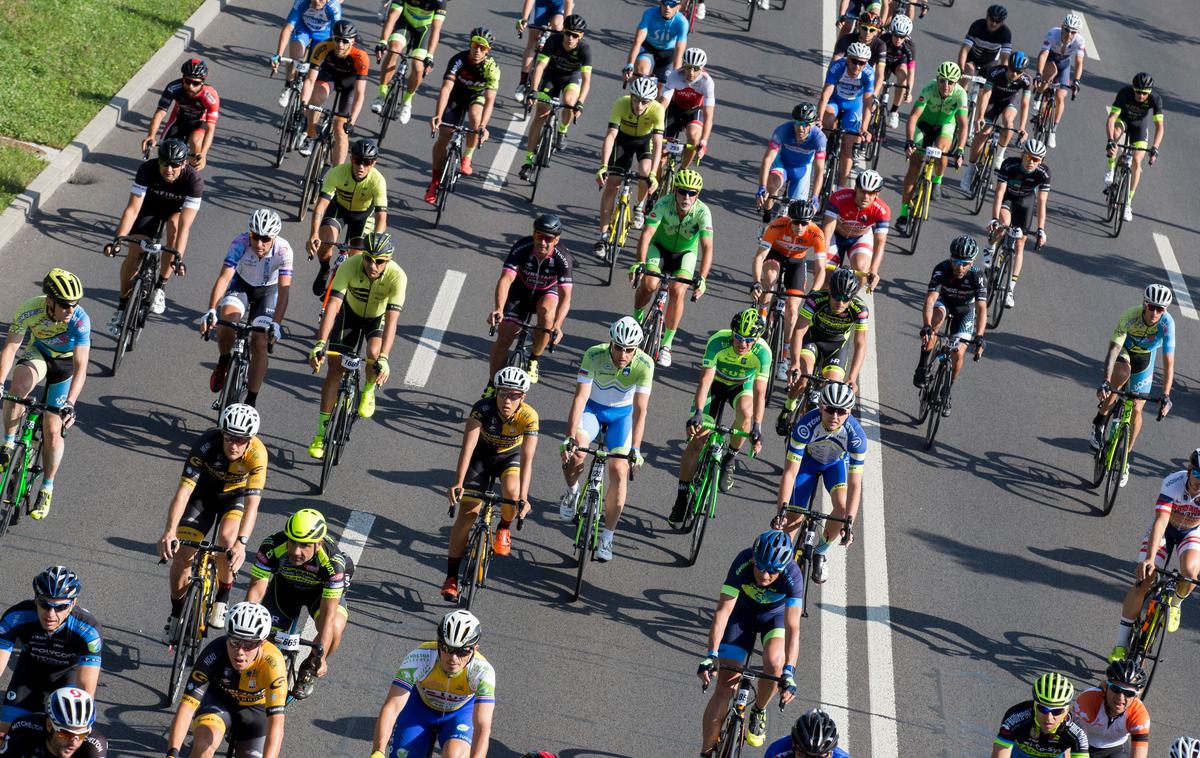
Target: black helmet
x: 484, y: 33
x: 964, y: 248
x: 805, y: 113
x: 194, y: 68
x: 574, y: 23
x: 843, y: 283
x: 548, y: 223
x: 377, y: 244
x: 801, y: 211
x: 997, y: 13
x: 1126, y: 672
x: 814, y: 732
x: 174, y: 151
x: 365, y: 149
x: 1142, y: 80
x: 1194, y: 460
x: 345, y: 30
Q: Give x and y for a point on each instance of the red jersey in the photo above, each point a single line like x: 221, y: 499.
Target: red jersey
x: 202, y: 108
x: 875, y: 217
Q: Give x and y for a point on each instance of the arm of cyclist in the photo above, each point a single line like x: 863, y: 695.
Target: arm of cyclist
x: 528, y: 449
x: 535, y: 77
x: 237, y: 551
x: 285, y: 35
x: 818, y: 172
x: 791, y: 626
x: 8, y: 354
x: 702, y: 388
x: 214, y: 297
x: 803, y: 322
x: 1164, y: 406
x: 716, y: 631
x: 482, y: 721
x: 643, y: 248
x: 327, y: 630
x: 860, y: 355
x: 155, y: 122
x: 585, y: 86
x: 181, y: 724
x: 981, y: 106
x: 443, y: 98
x: 526, y: 12
x: 880, y: 240
x: 469, y: 441
x: 639, y: 37
x: 314, y: 227
x: 641, y: 403
x: 489, y: 103
x: 980, y: 325
x: 1110, y: 362
x: 184, y: 230
x: 274, y: 744
x: 5, y: 655
x: 281, y: 303
x: 167, y: 544
x: 1001, y: 751
x: 764, y: 172
x: 503, y: 285
x: 393, y: 704
x: 1158, y: 528
x: 79, y: 370
x: 927, y: 319
x: 761, y: 248
x: 382, y: 367
x: 583, y: 391
x: 705, y: 263
x: 823, y: 103
x: 128, y: 216
x: 787, y: 480
x: 961, y: 119
x: 1001, y: 189
x: 1042, y: 197
x: 435, y: 36
x: 316, y: 356
x: 257, y: 589
x: 560, y: 313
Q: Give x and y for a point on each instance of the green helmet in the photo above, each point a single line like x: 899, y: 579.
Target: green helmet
x: 688, y: 179
x: 748, y: 323
x: 306, y: 525
x: 1053, y: 689
x: 949, y: 71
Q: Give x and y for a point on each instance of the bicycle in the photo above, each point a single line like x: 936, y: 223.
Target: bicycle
x: 192, y: 628
x: 589, y: 507
x: 878, y: 127
x: 518, y: 354
x: 935, y: 391
x: 922, y: 195
x: 1112, y: 458
x: 24, y: 466
x: 137, y: 305
x: 702, y: 491
x: 474, y: 570
x: 621, y: 219
x: 1043, y: 117
x: 345, y: 410
x: 732, y: 736
x: 655, y: 319
x: 833, y: 156
x: 546, y: 141
x: 984, y: 166
x: 808, y: 539
x: 392, y: 103
x: 775, y: 334
x: 318, y: 159
x: 300, y: 674
x: 1149, y: 628
x: 292, y: 125
x: 1000, y: 274
x: 1116, y: 195
x: 237, y: 373
x: 974, y: 82
x: 450, y: 171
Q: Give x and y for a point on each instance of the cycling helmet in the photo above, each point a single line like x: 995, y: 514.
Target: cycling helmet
x: 801, y: 211
x: 306, y: 525
x: 538, y: 754
x: 345, y: 30
x: 1185, y: 747
x: 459, y: 629
x: 265, y: 222
x: 1034, y: 147
x: 574, y: 23
x: 869, y: 181
x: 240, y: 420
x: 1053, y: 689
x: 1194, y: 460
x: 1158, y: 294
x: 901, y: 25
x: 174, y: 151
x: 814, y: 732
x: 61, y: 284
x: 483, y: 34
x: 548, y: 223
x: 626, y: 332
x: 71, y: 708
x: 843, y: 283
x: 748, y: 324
x: 511, y: 378
x: 694, y: 56
x: 869, y: 18
x: 378, y: 245
x: 1018, y: 61
x: 688, y: 179
x: 1126, y: 672
x: 964, y: 248
x: 997, y: 13
x: 837, y: 395
x: 949, y: 71
x: 644, y: 87
x: 858, y: 51
x: 194, y: 68
x: 772, y: 551
x: 1073, y: 22
x: 248, y: 621
x: 365, y: 149
x: 1142, y: 80
x: 805, y: 113
x: 57, y: 583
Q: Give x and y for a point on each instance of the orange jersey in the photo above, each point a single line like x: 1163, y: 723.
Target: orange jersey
x: 779, y: 237
x: 1103, y: 732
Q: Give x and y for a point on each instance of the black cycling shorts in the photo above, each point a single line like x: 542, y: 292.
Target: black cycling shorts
x: 1021, y: 209
x: 254, y: 302
x: 204, y: 508
x: 677, y: 119
x: 795, y: 273
x: 626, y: 149
x: 487, y: 467
x: 827, y: 352
x: 350, y: 329
x: 345, y: 89
x: 340, y: 217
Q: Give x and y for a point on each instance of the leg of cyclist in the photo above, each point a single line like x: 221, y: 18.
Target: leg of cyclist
x: 687, y: 469
x: 619, y: 440
x: 773, y: 657
x: 320, y: 93
x: 573, y: 464
x: 227, y: 533
x: 1189, y: 566
x: 547, y: 313
x: 259, y: 359
x: 939, y: 315
x: 58, y: 376
x: 1135, y: 596
x: 915, y: 159
x: 510, y: 487
x: 24, y: 377
x: 505, y: 335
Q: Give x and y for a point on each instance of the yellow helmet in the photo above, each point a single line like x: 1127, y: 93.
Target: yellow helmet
x: 61, y: 284
x: 306, y: 525
x: 688, y: 179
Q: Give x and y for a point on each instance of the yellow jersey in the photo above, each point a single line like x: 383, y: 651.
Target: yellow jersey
x: 366, y: 297
x: 420, y: 673
x: 357, y: 197
x: 630, y: 124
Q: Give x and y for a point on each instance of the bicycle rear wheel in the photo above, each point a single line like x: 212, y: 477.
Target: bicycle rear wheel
x: 1112, y: 481
x: 185, y: 645
x: 775, y: 341
x: 616, y: 238
x: 585, y: 539
x: 1146, y: 647
x: 332, y: 440
x: 1001, y: 287
x: 473, y: 567
x: 938, y: 392
x: 983, y: 175
x: 704, y: 506
x: 652, y: 328
x: 1099, y: 458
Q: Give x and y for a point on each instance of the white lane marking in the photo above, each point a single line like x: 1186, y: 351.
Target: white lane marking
x: 354, y: 539
x: 1182, y: 296
x: 514, y: 133
x: 435, y: 329
x: 1088, y: 42
x: 828, y: 31
x: 835, y: 686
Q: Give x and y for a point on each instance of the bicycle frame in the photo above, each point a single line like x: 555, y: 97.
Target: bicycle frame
x: 589, y: 507
x: 1149, y: 629
x: 478, y: 554
x: 193, y: 623
x: 25, y: 465
x: 734, y: 724
x: 237, y: 374
x: 290, y: 643
x: 654, y: 321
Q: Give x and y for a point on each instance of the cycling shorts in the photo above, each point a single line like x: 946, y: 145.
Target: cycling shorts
x: 929, y: 135
x: 962, y: 319
x: 523, y: 302
x: 619, y: 420
x: 797, y: 179
x: 848, y: 112
x: 1020, y: 211
x: 258, y: 302
x: 150, y: 226
x: 418, y: 724
x: 677, y: 264
x: 721, y: 394
x: 833, y: 475
x: 356, y: 223
x: 544, y: 12
x: 744, y: 625
x: 1175, y: 540
x: 1139, y: 131
x: 980, y: 58
x: 627, y: 148
x: 1141, y: 370
x: 287, y: 603
x: 350, y: 330
x: 794, y: 272
x: 308, y: 37
x: 679, y: 118
x: 1062, y: 64
x: 247, y: 724
x: 661, y: 61
x: 826, y: 354
x: 182, y: 128
x: 204, y: 509
x: 554, y: 86
x: 486, y: 467
x: 29, y: 685
x: 56, y: 371
x: 461, y: 101
x: 855, y: 246
x: 345, y: 89
x: 996, y: 107
x: 415, y: 37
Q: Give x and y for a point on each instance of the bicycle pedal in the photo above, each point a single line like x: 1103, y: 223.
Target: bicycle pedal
x: 216, y: 404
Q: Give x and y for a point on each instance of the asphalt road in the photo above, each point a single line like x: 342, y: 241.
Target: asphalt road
x: 978, y: 566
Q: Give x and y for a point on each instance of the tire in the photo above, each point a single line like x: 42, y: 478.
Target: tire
x: 127, y: 324
x: 542, y: 159
x: 914, y: 225
x: 937, y: 392
x: 391, y: 107
x: 880, y: 139
x: 1112, y: 479
x: 444, y: 185
x: 331, y: 442
x: 1119, y: 202
x: 1098, y: 467
x: 471, y: 568
x: 11, y: 504
x: 185, y: 647
x: 341, y: 433
x: 776, y: 344
x: 311, y: 171
x: 750, y: 16
x: 585, y: 543
x: 730, y: 744
x: 652, y: 328
x: 286, y: 136
x: 704, y: 505
x: 614, y: 246
x: 979, y: 183
x: 1147, y: 652
x: 999, y: 285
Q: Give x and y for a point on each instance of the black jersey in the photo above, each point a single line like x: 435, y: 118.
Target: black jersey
x: 162, y: 199
x: 957, y: 291
x: 1129, y: 110
x: 987, y: 45
x: 564, y: 62
x: 877, y: 45
x: 1022, y: 183
x: 1005, y: 90
x: 1019, y: 731
x: 27, y: 739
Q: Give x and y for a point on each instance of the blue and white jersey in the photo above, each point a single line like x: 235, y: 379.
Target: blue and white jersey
x: 847, y: 87
x: 314, y: 19
x: 782, y: 748
x: 661, y: 33
x: 811, y: 439
x: 793, y: 153
x: 259, y: 272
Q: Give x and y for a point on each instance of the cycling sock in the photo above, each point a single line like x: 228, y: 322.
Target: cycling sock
x: 529, y: 159
x: 937, y: 179
x: 177, y: 606
x: 668, y: 337
x: 383, y: 90
x: 1098, y: 420
x: 607, y: 534
x: 790, y: 404
x: 1175, y: 599
x: 1124, y: 632
x: 48, y: 485
x: 407, y: 97
x: 1112, y: 163
x: 524, y: 78
x: 505, y: 523
x: 251, y: 398
x: 322, y: 421
x: 468, y: 152
x: 452, y: 565
x: 10, y: 439
x: 1014, y: 283
x: 638, y: 313
x: 562, y: 128
x: 904, y: 209
x: 223, y: 590
x: 823, y: 548
x: 160, y: 283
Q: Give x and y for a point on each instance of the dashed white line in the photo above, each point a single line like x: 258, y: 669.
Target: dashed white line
x: 510, y: 143
x: 1182, y: 296
x: 835, y: 687
x: 1088, y: 43
x: 435, y: 329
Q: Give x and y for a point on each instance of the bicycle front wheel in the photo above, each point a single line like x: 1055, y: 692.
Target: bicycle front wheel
x: 729, y: 742
x: 652, y: 327
x: 1120, y: 190
x: 939, y: 392
x: 1112, y: 482
x: 705, y: 504
x: 585, y: 539
x: 332, y: 440
x: 1001, y: 271
x: 444, y: 187
x: 983, y: 176
x: 616, y: 238
x: 186, y: 644
x: 286, y: 134
x: 775, y: 341
x: 1146, y: 647
x: 473, y: 567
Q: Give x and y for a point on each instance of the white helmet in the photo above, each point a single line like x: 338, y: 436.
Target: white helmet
x: 458, y: 629
x: 239, y: 420
x: 626, y: 332
x: 859, y: 51
x: 645, y: 87
x: 248, y: 621
x: 1073, y: 22
x: 837, y: 395
x: 901, y: 25
x: 1185, y: 747
x: 1034, y: 147
x: 511, y: 378
x: 266, y: 222
x: 1158, y: 294
x: 71, y: 708
x: 694, y: 56
x: 870, y: 181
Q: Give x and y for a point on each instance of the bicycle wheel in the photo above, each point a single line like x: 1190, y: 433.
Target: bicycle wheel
x: 750, y: 16
x: 185, y: 644
x: 652, y: 328
x: 705, y: 507
x: 1110, y: 205
x: 616, y: 237
x: 915, y: 221
x: 1001, y: 286
x: 729, y: 741
x: 880, y: 138
x: 938, y: 393
x: 11, y: 503
x: 286, y: 131
x: 542, y: 159
x: 127, y: 325
x: 444, y: 184
x: 331, y: 443
x: 775, y: 341
x: 1112, y: 481
x: 585, y: 539
x: 473, y: 566
x: 1146, y: 648
x: 1120, y: 199
x: 979, y: 183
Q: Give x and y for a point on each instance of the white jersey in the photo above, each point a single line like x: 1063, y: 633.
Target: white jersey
x: 259, y: 272
x: 1173, y: 498
x: 686, y: 95
x: 1059, y: 49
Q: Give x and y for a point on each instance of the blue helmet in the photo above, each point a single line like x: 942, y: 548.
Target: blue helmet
x: 57, y: 583
x: 773, y: 551
x: 1018, y: 61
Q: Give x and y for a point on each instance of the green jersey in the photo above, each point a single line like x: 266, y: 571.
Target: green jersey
x: 732, y: 368
x: 675, y: 234
x: 615, y: 387
x: 939, y: 110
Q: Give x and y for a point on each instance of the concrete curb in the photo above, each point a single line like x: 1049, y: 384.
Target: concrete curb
x: 63, y: 166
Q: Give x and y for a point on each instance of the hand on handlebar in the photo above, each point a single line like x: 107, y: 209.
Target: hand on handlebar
x: 848, y: 532
x: 707, y: 668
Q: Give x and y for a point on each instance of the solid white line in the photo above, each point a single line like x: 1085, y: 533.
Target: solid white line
x: 828, y: 32
x: 1089, y: 43
x: 1182, y: 296
x: 435, y: 329
x: 354, y: 539
x: 509, y: 144
x: 835, y: 686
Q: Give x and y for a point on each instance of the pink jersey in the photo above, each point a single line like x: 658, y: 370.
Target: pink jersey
x: 855, y: 222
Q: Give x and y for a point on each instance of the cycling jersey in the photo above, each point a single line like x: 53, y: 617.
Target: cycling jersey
x: 1019, y: 731
x: 498, y: 434
x: 689, y: 96
x: 1136, y: 336
x: 539, y: 276
x: 986, y: 45
x: 27, y: 736
x: 325, y: 571
x: 316, y: 21
x: 779, y: 237
x: 1020, y: 183
x: 957, y: 291
x: 786, y: 591
x: 53, y: 339
x: 663, y: 33
x: 847, y: 87
x: 256, y: 271
x: 370, y: 298
x: 77, y: 642
x: 472, y: 78
x: 828, y: 326
x: 1104, y: 731
x: 563, y: 62
x: 355, y: 64
x: 877, y: 45
x: 1174, y: 498
x: 420, y: 673
x: 352, y: 194
x: 1060, y: 50
x: 902, y: 54
x: 209, y: 471
x: 782, y: 748
x: 421, y: 13
x: 856, y: 221
x: 731, y: 367
x: 626, y: 122
x: 810, y: 439
x: 263, y: 685
x: 161, y: 199
x: 1129, y: 110
x: 204, y: 107
x: 674, y: 234
x: 795, y: 154
x: 1005, y: 89
x: 614, y: 387
x: 938, y: 110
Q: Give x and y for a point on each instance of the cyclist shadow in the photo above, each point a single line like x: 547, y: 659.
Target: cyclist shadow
x: 78, y: 227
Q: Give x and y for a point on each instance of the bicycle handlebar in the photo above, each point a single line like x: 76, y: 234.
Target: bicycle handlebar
x: 600, y: 452
x: 489, y: 497
x: 176, y: 256
x: 665, y: 279
x: 525, y: 327
x: 242, y: 328
x: 203, y: 547
x: 35, y: 405
x: 747, y: 672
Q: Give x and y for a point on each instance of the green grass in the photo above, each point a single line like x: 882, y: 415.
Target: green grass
x: 62, y: 60
x: 18, y: 167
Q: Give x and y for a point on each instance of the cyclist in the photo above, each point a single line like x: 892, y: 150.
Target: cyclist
x: 1174, y: 530
x: 781, y: 252
x: 679, y: 230
x: 238, y: 686
x: 814, y: 735
x: 733, y: 371
x: 563, y: 70
x: 301, y: 568
x: 354, y: 197
x: 1060, y: 63
x: 536, y: 278
x: 829, y: 443
x: 364, y: 306
x: 957, y: 291
x: 309, y: 21
x: 1185, y: 747
x: 635, y: 133
x: 60, y: 342
x: 938, y: 118
x: 988, y: 41
x: 165, y: 196
x: 468, y: 91
x: 821, y: 336
x: 690, y: 98
x: 1022, y: 188
x: 1134, y: 107
x: 658, y: 42
x: 538, y: 17
x: 847, y: 97
x: 850, y: 216
x: 1115, y: 719
x: 1042, y: 726
x: 762, y: 597
x: 341, y: 69
x: 612, y: 393
x: 61, y: 644
x: 194, y: 107
x: 795, y: 159
x: 66, y: 728
x: 1140, y: 332
x: 456, y: 696
x: 499, y: 441
x: 869, y: 25
x: 900, y: 61
x: 255, y: 282
x: 412, y: 28
x: 222, y: 483
x: 1003, y: 101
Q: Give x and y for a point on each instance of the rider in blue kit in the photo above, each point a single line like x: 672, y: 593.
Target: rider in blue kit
x: 814, y: 735
x: 848, y: 94
x: 794, y: 159
x: 658, y: 42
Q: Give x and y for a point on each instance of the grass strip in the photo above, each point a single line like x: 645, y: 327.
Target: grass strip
x: 18, y: 167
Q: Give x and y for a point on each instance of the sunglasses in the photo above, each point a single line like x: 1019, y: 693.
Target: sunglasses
x: 261, y: 237
x: 841, y: 298
x: 171, y: 164
x: 1121, y: 690
x: 867, y: 28
x: 46, y: 605
x: 960, y: 262
x: 802, y: 124
x: 942, y: 81
x: 835, y: 411
x: 744, y: 340
x: 67, y: 734
x: 362, y: 162
x: 1142, y: 91
x: 1048, y: 711
x: 457, y: 652
x: 670, y: 3
x: 620, y: 349
x: 855, y: 62
x: 479, y: 43
x: 62, y: 303
x: 343, y: 40
x: 193, y: 82
x: 693, y: 68
x: 377, y: 260
x: 232, y: 440
x: 639, y: 100
x: 511, y: 395
x: 574, y: 35
x: 544, y: 237
x: 687, y: 192
x: 1154, y: 308
x: 244, y: 644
